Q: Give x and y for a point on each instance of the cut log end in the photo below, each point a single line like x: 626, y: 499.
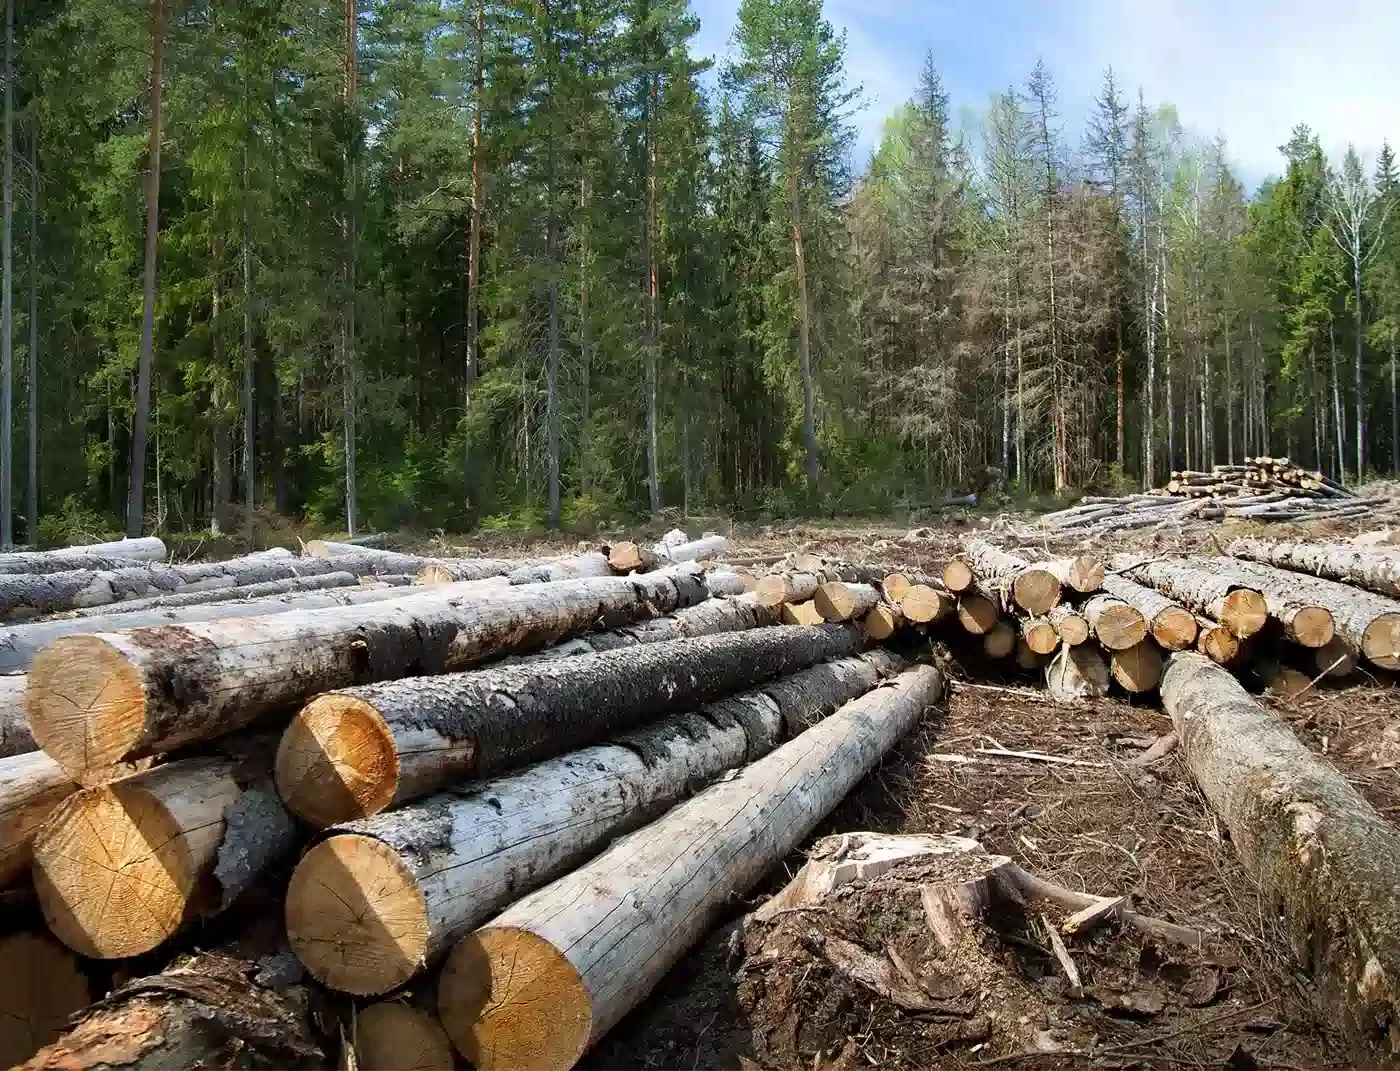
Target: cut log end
x: 1310, y: 626
x: 895, y: 587
x: 398, y: 1037
x: 802, y: 613
x: 337, y: 761
x: 1040, y: 635
x: 1245, y: 613
x: 1000, y: 642
x: 85, y: 702
x: 511, y: 1000
x: 1175, y: 628
x: 958, y: 576
x: 1219, y: 644
x: 923, y: 604
x: 976, y: 613
x: 1085, y: 574
x: 435, y: 575
x: 1120, y: 627
x: 1138, y: 669
x: 1037, y: 591
x: 839, y: 601
x: 771, y: 590
x: 882, y: 622
x: 356, y: 917
x: 1381, y: 641
x: 42, y: 988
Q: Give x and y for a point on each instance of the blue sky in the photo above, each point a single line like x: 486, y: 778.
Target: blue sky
x: 1246, y: 69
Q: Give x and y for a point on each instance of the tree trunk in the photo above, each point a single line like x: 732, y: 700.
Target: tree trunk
x: 1040, y: 635
x: 839, y: 601
x: 1317, y: 848
x: 395, y: 1034
x: 1394, y: 408
x: 553, y: 413
x: 31, y: 485
x: 1173, y: 627
x: 653, y: 295
x: 203, y: 1012
x: 1115, y: 623
x: 1360, y: 389
x: 7, y: 312
x: 1035, y: 589
x: 165, y: 687
x: 114, y: 555
x: 571, y: 567
x: 446, y: 864
x: 474, y: 233
x: 221, y: 512
x: 43, y: 986
x: 249, y: 442
x: 31, y: 786
x: 15, y: 737
x: 1069, y: 625
x: 1217, y: 642
x: 1083, y: 574
x: 775, y: 589
x: 349, y: 387
x: 1304, y: 621
x: 1238, y: 607
x: 354, y: 753
x: 1374, y: 570
x: 804, y: 314
x: 601, y: 938
x: 136, y: 490
x: 923, y: 604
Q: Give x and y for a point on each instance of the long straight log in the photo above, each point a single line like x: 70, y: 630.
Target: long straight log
x: 114, y: 696
x: 776, y: 589
x: 1237, y: 606
x: 31, y: 786
x: 1034, y: 588
x: 1318, y: 849
x: 204, y: 597
x: 121, y: 868
x: 441, y: 866
x: 570, y: 567
x: 43, y: 987
x: 1172, y: 626
x: 1304, y: 621
x: 124, y: 551
x: 552, y: 974
x: 1114, y: 623
x: 353, y: 753
x: 15, y: 737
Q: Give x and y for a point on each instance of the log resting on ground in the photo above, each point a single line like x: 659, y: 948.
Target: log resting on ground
x: 839, y: 601
x: 1077, y: 673
x: 1172, y: 626
x: 552, y: 974
x: 15, y: 737
x: 353, y: 753
x: 1373, y: 569
x: 382, y: 897
x: 570, y: 567
x: 1237, y: 606
x: 286, y: 586
x: 42, y: 986
x: 1317, y: 848
x: 1138, y: 668
x: 31, y: 786
x: 1033, y: 588
x: 145, y: 549
x: 114, y: 696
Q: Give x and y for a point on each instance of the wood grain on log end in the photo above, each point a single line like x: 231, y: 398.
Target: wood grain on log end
x: 1219, y: 644
x: 771, y: 590
x: 1000, y: 642
x: 628, y: 557
x: 1116, y: 624
x: 1381, y: 641
x: 435, y: 575
x: 923, y: 605
x: 1037, y: 591
x: 1138, y: 669
x: 1246, y: 612
x: 838, y: 601
x: 883, y: 621
x: 896, y: 586
x: 976, y: 613
x: 392, y: 1036
x: 957, y: 575
x: 1069, y: 624
x: 337, y: 761
x: 1040, y: 635
x: 86, y: 703
x: 1085, y: 574
x: 802, y: 613
x: 1175, y: 628
x: 1310, y: 626
x: 41, y: 987
x: 31, y: 786
x: 511, y: 1001
x: 356, y: 917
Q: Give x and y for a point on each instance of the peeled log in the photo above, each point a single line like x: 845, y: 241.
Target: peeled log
x: 204, y: 1012
x: 353, y: 753
x: 1077, y: 673
x: 1238, y: 607
x: 1040, y: 635
x: 15, y: 737
x: 1084, y: 574
x: 1304, y: 622
x: 839, y: 601
x: 31, y: 786
x: 923, y: 604
x: 121, y: 868
x: 42, y: 988
x: 146, y: 549
x: 1172, y: 626
x: 1115, y: 624
x: 1139, y: 668
x: 384, y: 897
x: 1317, y: 848
x: 114, y: 696
x: 552, y: 974
x: 1069, y: 624
x: 393, y: 1036
x: 1375, y: 570
x: 1033, y: 588
x: 572, y: 567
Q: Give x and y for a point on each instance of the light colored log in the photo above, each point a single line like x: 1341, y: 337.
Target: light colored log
x: 1000, y: 641
x: 570, y: 567
x: 1217, y: 642
x: 1077, y: 673
x: 394, y: 1036
x: 1069, y: 624
x: 1040, y: 635
x: 775, y: 589
x: 722, y: 582
x: 1374, y: 569
x: 977, y: 614
x: 802, y: 613
x: 31, y: 786
x: 15, y: 737
x: 1114, y: 623
x: 696, y: 550
x: 628, y: 557
x: 883, y: 622
x: 122, y: 867
x: 42, y: 986
x: 1237, y: 606
x: 1304, y: 622
x: 115, y: 696
x: 1083, y: 574
x: 839, y: 601
x: 1172, y: 626
x: 924, y: 605
x: 285, y: 586
x: 355, y: 752
x: 1033, y: 588
x: 895, y: 586
x: 383, y: 897
x: 556, y: 971
x: 144, y: 549
x: 1320, y: 853
x: 1139, y: 668
x: 958, y: 576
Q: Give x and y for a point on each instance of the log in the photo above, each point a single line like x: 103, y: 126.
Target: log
x: 1217, y: 642
x: 202, y: 1012
x: 1374, y: 570
x: 977, y: 614
x: 1077, y: 673
x: 895, y: 586
x: 1139, y: 668
x: 1040, y: 634
x: 355, y: 752
x: 1000, y: 641
x: 15, y: 737
x: 720, y: 582
x: 1172, y: 626
x: 384, y: 897
x: 1114, y: 623
x: 1279, y: 680
x: 456, y: 570
x: 285, y: 586
x: 122, y: 867
x: 1238, y: 607
x: 114, y: 696
x: 42, y: 987
x: 801, y: 613
x: 958, y: 576
x: 883, y: 622
x: 627, y: 557
x: 1026, y: 658
x: 570, y: 567
x: 552, y: 974
x: 31, y: 786
x: 126, y: 551
x: 776, y: 589
x: 1069, y: 624
x: 1336, y: 660
x: 839, y: 601
x: 924, y: 605
x: 1319, y: 851
x: 1033, y: 588
x: 1083, y: 574
x: 1304, y: 622
x: 696, y: 550
x: 394, y: 1036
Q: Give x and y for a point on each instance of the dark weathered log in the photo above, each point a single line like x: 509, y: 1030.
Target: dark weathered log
x: 572, y: 567
x: 202, y: 1012
x: 443, y: 865
x: 107, y: 698
x: 1000, y: 640
x: 15, y: 737
x: 548, y: 977
x: 31, y: 786
x: 356, y: 752
x: 1319, y: 851
x: 116, y: 554
x: 1172, y: 626
x: 1237, y: 606
x: 42, y: 987
x: 1034, y: 588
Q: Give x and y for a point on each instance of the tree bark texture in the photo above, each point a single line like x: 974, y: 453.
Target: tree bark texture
x: 1238, y: 607
x: 1034, y: 588
x: 1374, y: 570
x: 572, y: 567
x: 15, y: 737
x: 1171, y: 625
x: 114, y: 555
x: 31, y: 786
x: 291, y: 585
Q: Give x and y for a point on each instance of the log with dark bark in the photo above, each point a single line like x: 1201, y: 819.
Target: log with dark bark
x: 1319, y: 851
x: 31, y: 786
x: 1033, y: 588
x: 1237, y: 606
x: 838, y: 601
x: 114, y: 696
x: 118, y: 553
x: 42, y: 986
x: 122, y: 867
x: 443, y: 865
x: 553, y: 973
x: 1375, y: 570
x: 204, y: 1011
x: 1114, y: 623
x: 1172, y: 626
x: 356, y: 752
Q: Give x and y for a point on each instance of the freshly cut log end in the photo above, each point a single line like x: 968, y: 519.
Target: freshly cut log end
x: 523, y: 999
x: 337, y: 761
x: 883, y: 622
x: 1175, y: 628
x: 1040, y: 635
x: 31, y: 786
x: 435, y: 575
x: 1218, y: 644
x: 895, y: 586
x: 958, y: 576
x: 923, y: 605
x: 42, y: 987
x: 1310, y: 626
x: 802, y: 613
x: 1138, y: 669
x: 1246, y: 612
x: 976, y: 613
x: 1036, y: 590
x: 1077, y: 673
x: 86, y: 703
x: 1381, y: 641
x: 1083, y: 574
x: 1000, y: 642
x: 1069, y: 624
x: 356, y: 916
x: 628, y: 557
x: 839, y: 601
x: 1116, y: 624
x: 392, y: 1036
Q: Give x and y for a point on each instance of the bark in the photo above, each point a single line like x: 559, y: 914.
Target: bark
x: 15, y: 737
x: 114, y: 555
x: 356, y: 752
x: 1115, y: 623
x: 1173, y: 627
x: 1035, y: 589
x: 443, y: 865
x: 204, y: 1011
x: 120, y: 868
x: 839, y: 601
x: 804, y: 330
x: 605, y: 935
x: 1237, y: 606
x: 394, y: 1035
x: 1077, y: 673
x: 31, y: 786
x: 477, y: 215
x: 1375, y: 570
x: 288, y: 586
x: 7, y: 316
x: 706, y: 547
x: 724, y: 582
x: 1069, y: 624
x: 166, y: 687
x: 1316, y: 847
x: 572, y: 567
x: 1304, y: 622
x: 43, y: 986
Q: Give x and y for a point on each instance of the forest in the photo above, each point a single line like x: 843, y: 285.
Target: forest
x: 454, y: 263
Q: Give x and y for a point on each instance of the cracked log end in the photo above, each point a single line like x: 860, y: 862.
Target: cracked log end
x: 1118, y: 626
x: 1219, y: 644
x: 356, y: 917
x: 977, y: 614
x: 337, y: 761
x: 772, y: 590
x: 923, y: 604
x: 1085, y: 574
x: 511, y: 1000
x: 114, y: 871
x: 1245, y: 613
x: 397, y: 1037
x: 1175, y: 628
x: 1380, y: 643
x: 1037, y: 591
x: 86, y: 703
x: 42, y: 987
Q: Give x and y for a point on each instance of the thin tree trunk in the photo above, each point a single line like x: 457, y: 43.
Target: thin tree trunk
x: 7, y: 514
x: 652, y: 297
x: 136, y: 499
x: 804, y: 336
x: 474, y: 237
x: 352, y: 47
x: 585, y: 341
x: 1006, y: 378
x: 1394, y: 410
x: 552, y: 416
x: 248, y: 438
x: 1340, y: 444
x: 1360, y: 393
x: 1229, y: 395
x: 31, y: 511
x: 220, y: 522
